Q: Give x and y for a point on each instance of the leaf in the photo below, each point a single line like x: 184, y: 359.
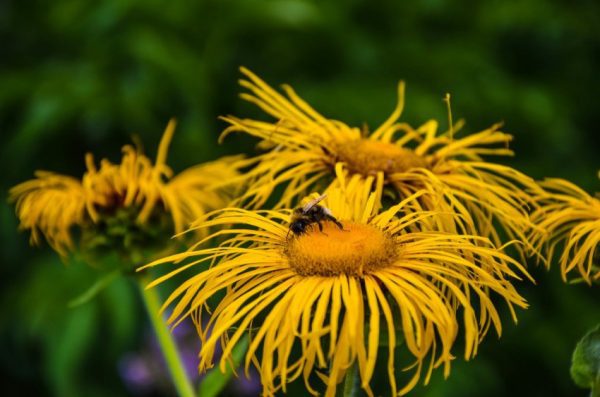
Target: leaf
x: 215, y: 380
x: 68, y: 349
x: 98, y: 286
x: 120, y: 301
x: 585, y: 366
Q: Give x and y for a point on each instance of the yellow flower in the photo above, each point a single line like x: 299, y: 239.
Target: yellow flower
x: 308, y: 151
x: 52, y: 204
x: 321, y: 301
x: 567, y: 213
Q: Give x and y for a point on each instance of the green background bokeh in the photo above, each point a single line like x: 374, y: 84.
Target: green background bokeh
x: 81, y: 76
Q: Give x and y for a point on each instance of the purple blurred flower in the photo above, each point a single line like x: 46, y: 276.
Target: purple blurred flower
x: 242, y: 386
x: 145, y: 372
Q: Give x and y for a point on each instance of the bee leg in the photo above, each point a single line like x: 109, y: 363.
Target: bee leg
x: 334, y: 220
x: 321, y: 227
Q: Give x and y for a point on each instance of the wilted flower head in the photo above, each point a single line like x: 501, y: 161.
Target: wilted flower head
x: 570, y: 215
x: 317, y: 302
x: 113, y: 198
x: 308, y: 150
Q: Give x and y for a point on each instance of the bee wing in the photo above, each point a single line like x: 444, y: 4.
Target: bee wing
x: 313, y: 202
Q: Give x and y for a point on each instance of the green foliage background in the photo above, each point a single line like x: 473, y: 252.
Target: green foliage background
x: 84, y: 76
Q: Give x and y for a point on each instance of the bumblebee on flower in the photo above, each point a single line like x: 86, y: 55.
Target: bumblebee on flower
x: 310, y: 214
x: 319, y: 300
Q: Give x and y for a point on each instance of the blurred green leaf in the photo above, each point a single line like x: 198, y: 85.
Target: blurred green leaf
x: 585, y: 366
x: 120, y: 304
x: 103, y: 282
x: 69, y: 348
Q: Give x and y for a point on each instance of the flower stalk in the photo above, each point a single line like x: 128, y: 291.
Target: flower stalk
x: 165, y: 340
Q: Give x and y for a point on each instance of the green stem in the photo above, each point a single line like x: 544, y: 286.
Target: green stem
x: 350, y: 381
x: 165, y: 340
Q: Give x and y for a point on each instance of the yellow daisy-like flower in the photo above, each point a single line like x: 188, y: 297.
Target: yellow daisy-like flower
x: 319, y: 302
x: 569, y: 214
x: 52, y: 204
x: 309, y: 150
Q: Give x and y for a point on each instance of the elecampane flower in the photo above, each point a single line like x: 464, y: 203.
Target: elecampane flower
x: 307, y: 150
x: 317, y: 302
x: 569, y: 214
x: 52, y: 204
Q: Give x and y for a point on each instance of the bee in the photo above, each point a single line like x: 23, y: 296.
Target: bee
x: 310, y: 214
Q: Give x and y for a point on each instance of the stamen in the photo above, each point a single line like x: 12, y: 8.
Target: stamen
x: 450, y: 123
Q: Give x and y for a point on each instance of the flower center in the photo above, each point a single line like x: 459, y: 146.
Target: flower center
x: 354, y: 251
x: 368, y: 157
